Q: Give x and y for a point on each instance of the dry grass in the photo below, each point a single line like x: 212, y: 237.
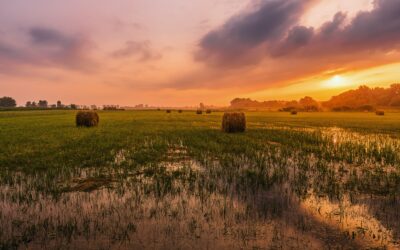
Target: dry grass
x: 87, y: 119
x: 234, y: 122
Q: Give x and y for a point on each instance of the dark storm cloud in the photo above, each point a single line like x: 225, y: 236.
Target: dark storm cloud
x: 11, y: 58
x: 7, y: 51
x: 43, y: 36
x: 333, y: 26
x: 142, y: 51
x: 369, y: 31
x: 298, y: 36
x: 377, y: 28
x: 48, y: 47
x: 243, y: 33
x: 61, y: 49
x: 276, y: 26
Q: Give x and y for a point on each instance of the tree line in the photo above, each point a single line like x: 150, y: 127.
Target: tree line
x: 363, y: 98
x: 9, y: 102
x: 304, y: 104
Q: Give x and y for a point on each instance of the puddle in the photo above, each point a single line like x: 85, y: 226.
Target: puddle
x: 278, y: 202
x: 354, y: 219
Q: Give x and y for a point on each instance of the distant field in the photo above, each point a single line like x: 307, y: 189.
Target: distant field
x: 148, y: 179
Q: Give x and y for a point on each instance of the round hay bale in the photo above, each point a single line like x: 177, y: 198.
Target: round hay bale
x: 380, y: 112
x: 234, y: 122
x: 208, y: 111
x: 293, y: 112
x: 87, y: 119
x: 180, y: 111
x: 168, y: 111
x: 199, y: 112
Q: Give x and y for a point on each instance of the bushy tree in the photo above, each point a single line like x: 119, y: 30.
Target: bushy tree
x: 59, y: 104
x: 43, y: 103
x: 364, y: 96
x: 309, y: 104
x: 7, y: 102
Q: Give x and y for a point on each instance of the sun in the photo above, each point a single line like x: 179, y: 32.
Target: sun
x: 336, y: 81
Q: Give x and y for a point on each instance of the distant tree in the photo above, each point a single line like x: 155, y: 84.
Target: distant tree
x: 395, y: 101
x: 7, y: 102
x: 288, y: 109
x: 34, y: 105
x: 363, y: 96
x: 240, y: 103
x: 28, y: 104
x: 74, y: 106
x: 59, y: 104
x: 43, y: 104
x: 293, y: 103
x: 309, y: 104
x: 139, y: 106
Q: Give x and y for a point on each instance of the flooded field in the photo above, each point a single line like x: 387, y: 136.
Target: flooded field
x: 151, y: 180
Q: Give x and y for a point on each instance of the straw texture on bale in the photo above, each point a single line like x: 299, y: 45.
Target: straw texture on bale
x: 234, y: 122
x: 87, y: 119
x: 380, y: 112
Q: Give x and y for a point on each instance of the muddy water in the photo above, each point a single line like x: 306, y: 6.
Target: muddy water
x: 143, y: 212
x: 284, y: 201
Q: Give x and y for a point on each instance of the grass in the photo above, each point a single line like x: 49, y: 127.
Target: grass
x: 178, y: 178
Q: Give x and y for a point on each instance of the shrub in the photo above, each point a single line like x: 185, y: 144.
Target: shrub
x: 294, y: 112
x: 199, y: 112
x: 87, y: 119
x: 288, y: 109
x: 380, y: 112
x: 234, y: 122
x: 366, y: 108
x: 168, y: 111
x: 208, y: 111
x: 342, y: 109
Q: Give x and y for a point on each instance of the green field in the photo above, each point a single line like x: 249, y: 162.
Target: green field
x: 152, y: 180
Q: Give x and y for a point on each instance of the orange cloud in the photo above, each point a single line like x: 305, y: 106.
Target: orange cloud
x: 281, y: 51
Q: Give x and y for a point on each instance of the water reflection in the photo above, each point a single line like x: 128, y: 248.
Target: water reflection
x: 275, y: 199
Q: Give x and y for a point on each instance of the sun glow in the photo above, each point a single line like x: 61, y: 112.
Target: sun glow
x: 336, y: 81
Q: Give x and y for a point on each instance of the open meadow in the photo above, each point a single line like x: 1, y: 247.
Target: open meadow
x: 157, y: 180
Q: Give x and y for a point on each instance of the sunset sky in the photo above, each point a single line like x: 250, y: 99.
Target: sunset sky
x: 179, y: 52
